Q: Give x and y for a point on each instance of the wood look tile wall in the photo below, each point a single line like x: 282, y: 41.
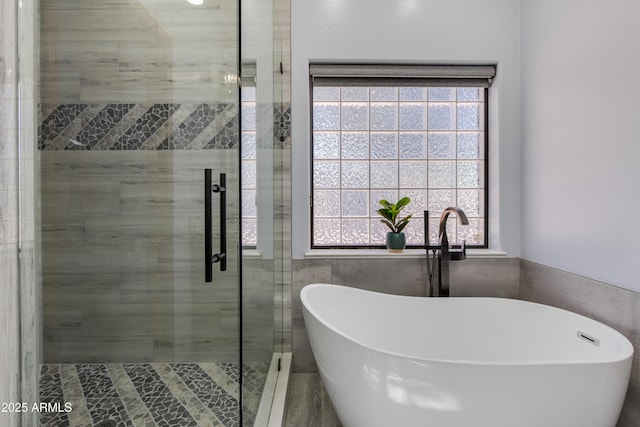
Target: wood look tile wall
x: 135, y: 101
x: 137, y: 51
x: 123, y: 276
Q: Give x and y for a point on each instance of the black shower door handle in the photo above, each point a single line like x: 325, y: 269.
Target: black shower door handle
x: 209, y: 257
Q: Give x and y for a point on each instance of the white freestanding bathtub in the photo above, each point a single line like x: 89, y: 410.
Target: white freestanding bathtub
x: 401, y: 361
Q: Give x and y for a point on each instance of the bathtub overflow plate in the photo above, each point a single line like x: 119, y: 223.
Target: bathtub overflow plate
x: 589, y: 338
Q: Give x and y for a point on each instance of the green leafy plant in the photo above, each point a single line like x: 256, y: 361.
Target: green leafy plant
x: 390, y: 212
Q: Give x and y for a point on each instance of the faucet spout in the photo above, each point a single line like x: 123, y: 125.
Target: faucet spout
x: 442, y: 231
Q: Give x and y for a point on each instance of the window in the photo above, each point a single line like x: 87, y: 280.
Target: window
x: 383, y: 132
x: 248, y: 166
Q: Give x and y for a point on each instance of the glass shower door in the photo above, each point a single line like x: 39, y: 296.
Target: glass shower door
x: 263, y: 203
x: 137, y: 99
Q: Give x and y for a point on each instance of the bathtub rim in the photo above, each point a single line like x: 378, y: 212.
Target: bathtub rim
x: 626, y: 354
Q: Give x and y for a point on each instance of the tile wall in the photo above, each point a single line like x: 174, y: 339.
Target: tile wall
x: 282, y: 228
x: 137, y: 51
x: 19, y: 318
x: 613, y: 306
x: 113, y: 42
x: 134, y: 104
x: 110, y: 166
x: 140, y: 126
x: 282, y: 172
x: 139, y: 295
x: 9, y: 267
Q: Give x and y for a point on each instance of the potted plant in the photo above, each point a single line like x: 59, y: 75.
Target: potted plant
x: 396, y: 240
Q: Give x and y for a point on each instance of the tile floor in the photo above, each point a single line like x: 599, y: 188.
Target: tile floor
x: 308, y: 403
x: 151, y: 394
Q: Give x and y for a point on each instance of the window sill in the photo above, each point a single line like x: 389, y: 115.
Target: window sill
x: 383, y: 253
x: 251, y: 253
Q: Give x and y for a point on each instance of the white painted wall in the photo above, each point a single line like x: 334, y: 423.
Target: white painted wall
x: 415, y: 31
x: 581, y: 137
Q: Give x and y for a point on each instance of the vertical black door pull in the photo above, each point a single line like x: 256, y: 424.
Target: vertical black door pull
x: 209, y: 257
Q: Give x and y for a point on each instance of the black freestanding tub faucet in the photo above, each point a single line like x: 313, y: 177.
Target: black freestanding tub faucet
x: 445, y: 252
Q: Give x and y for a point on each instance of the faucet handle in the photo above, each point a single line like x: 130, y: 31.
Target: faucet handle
x: 458, y: 254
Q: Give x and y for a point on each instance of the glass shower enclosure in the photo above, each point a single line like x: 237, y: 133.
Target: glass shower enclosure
x: 137, y: 99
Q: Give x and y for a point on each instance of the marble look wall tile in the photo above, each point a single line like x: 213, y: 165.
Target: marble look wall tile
x: 306, y: 272
x: 9, y: 331
x: 9, y: 132
x: 630, y: 416
x: 8, y: 42
x: 499, y: 277
x: 27, y: 212
x: 28, y: 52
x: 8, y: 206
x: 19, y: 291
x: 9, y: 218
x: 28, y: 106
x: 8, y: 92
x: 402, y: 276
x: 30, y: 323
x: 8, y: 112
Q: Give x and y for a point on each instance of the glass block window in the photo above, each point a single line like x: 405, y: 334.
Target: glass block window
x: 390, y: 141
x: 248, y: 167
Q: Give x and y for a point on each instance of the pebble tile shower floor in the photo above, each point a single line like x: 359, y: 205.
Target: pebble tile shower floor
x: 151, y: 394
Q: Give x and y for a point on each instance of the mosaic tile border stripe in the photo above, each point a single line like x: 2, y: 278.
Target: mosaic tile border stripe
x: 147, y: 126
x: 282, y: 126
x: 137, y: 126
x: 151, y: 394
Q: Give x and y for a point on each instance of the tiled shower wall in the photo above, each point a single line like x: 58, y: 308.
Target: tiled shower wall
x: 130, y: 94
x: 139, y: 167
x: 19, y: 302
x: 137, y: 51
x: 134, y: 105
x: 9, y: 243
x: 122, y: 248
